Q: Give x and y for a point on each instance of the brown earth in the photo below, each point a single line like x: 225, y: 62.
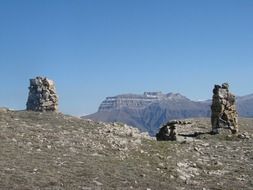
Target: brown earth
x: 53, y: 151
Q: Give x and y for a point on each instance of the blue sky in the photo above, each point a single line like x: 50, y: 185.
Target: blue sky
x: 96, y: 48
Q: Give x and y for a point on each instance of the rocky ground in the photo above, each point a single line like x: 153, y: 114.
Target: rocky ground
x: 53, y: 151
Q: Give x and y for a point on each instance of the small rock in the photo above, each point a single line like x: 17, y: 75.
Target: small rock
x: 183, y: 178
x: 217, y: 163
x: 161, y: 165
x: 97, y: 183
x: 244, y: 135
x: 205, y: 144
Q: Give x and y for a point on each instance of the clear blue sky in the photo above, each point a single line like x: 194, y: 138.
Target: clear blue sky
x: 98, y: 48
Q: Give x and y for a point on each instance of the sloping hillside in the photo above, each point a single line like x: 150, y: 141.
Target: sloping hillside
x: 245, y: 105
x: 149, y: 111
x: 54, y: 151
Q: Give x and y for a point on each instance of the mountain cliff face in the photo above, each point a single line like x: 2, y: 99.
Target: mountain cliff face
x: 152, y: 109
x: 148, y: 111
x: 137, y: 101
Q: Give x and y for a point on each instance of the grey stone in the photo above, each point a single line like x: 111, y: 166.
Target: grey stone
x: 169, y: 131
x: 42, y: 95
x: 224, y: 113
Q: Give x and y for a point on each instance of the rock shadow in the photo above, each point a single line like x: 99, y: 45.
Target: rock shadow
x: 195, y: 134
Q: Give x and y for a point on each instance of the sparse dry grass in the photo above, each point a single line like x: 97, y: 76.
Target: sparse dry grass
x: 55, y: 151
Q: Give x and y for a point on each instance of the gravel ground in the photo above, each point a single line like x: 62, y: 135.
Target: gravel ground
x: 56, y: 151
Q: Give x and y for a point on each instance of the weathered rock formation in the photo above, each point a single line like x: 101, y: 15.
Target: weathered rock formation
x: 223, y: 109
x: 42, y: 95
x: 150, y: 110
x: 137, y: 101
x: 168, y: 132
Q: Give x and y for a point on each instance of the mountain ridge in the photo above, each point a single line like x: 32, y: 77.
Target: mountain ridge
x: 150, y: 110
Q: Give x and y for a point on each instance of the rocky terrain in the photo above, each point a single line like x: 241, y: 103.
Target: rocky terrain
x: 55, y: 151
x: 152, y: 109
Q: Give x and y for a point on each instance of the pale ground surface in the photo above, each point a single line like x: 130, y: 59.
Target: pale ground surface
x: 55, y: 151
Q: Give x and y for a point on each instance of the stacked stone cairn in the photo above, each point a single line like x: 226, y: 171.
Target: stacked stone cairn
x: 168, y: 132
x: 42, y: 95
x: 224, y: 114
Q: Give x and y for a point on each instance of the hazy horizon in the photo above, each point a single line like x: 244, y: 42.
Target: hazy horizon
x: 94, y: 49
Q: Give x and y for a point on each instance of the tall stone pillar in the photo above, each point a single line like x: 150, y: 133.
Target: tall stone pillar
x: 223, y: 109
x: 42, y: 95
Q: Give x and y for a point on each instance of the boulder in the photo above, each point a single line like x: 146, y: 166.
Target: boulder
x: 168, y: 132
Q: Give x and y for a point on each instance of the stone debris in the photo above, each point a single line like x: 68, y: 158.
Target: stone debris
x: 169, y: 131
x: 223, y: 109
x: 72, y: 146
x: 185, y: 171
x: 42, y: 95
x: 244, y: 135
x: 116, y: 135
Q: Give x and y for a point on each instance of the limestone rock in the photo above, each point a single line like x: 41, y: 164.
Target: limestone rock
x: 42, y: 95
x: 169, y: 131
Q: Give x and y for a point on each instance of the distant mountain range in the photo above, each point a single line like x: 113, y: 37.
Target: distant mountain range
x: 152, y: 109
